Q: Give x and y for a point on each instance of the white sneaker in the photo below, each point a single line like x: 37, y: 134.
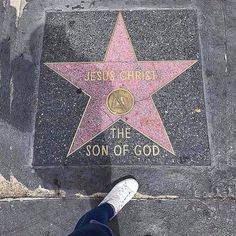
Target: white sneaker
x: 121, y: 194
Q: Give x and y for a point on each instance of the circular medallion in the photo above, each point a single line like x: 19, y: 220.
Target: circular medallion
x: 120, y: 101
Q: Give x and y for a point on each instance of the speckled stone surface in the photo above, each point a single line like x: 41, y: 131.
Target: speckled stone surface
x: 165, y: 41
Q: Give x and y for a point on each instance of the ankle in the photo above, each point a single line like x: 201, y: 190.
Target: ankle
x: 109, y: 208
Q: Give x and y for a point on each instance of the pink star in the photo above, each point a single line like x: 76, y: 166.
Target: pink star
x: 108, y: 75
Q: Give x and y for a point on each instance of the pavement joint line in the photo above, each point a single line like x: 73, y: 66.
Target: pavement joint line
x: 13, y: 188
x: 138, y: 196
x: 93, y: 197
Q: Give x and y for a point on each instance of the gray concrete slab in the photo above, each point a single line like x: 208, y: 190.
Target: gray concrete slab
x: 139, y: 218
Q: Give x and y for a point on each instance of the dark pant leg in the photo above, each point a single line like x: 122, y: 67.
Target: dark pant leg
x: 95, y: 221
x: 92, y: 229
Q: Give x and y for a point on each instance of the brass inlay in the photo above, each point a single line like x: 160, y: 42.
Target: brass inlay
x: 120, y: 101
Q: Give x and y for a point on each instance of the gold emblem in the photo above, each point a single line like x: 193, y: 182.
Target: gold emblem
x: 120, y: 101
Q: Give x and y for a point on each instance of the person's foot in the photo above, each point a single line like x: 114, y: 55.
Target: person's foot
x: 121, y: 194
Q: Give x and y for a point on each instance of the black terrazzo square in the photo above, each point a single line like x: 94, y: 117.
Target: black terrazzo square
x: 155, y: 35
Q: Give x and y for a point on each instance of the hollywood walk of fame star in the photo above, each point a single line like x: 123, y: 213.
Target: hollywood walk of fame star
x: 103, y: 82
